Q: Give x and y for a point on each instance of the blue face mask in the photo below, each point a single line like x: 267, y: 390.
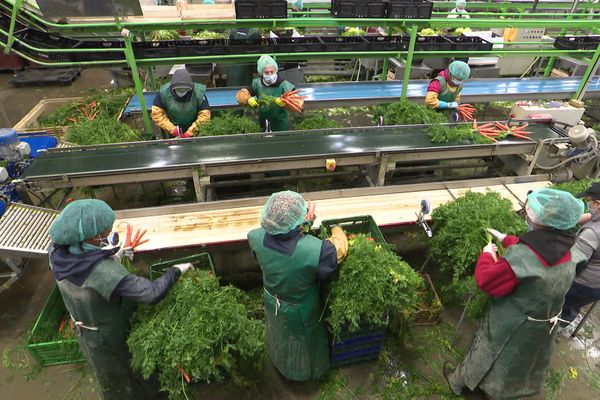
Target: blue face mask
x: 270, y: 79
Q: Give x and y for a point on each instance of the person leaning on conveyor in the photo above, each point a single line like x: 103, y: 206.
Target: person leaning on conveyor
x: 444, y: 91
x: 293, y: 266
x: 586, y: 286
x: 513, y: 345
x: 268, y: 84
x: 459, y: 10
x: 100, y: 294
x: 180, y: 105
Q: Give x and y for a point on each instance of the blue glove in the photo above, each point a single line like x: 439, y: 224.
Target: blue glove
x: 442, y: 105
x: 453, y: 104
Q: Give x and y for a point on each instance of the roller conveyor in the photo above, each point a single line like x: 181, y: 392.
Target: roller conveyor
x: 175, y: 159
x: 24, y: 230
x: 365, y: 93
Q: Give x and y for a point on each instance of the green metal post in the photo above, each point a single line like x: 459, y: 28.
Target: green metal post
x: 588, y: 73
x: 549, y: 67
x: 386, y: 66
x: 151, y: 82
x: 409, y: 58
x: 136, y: 79
x: 11, y: 29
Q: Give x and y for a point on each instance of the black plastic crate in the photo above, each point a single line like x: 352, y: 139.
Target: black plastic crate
x: 469, y: 43
x: 361, y: 345
x: 202, y: 47
x: 254, y: 9
x: 359, y: 9
x: 251, y: 46
x: 388, y: 43
x: 345, y: 43
x: 155, y: 49
x: 577, y: 42
x: 300, y: 44
x: 409, y: 9
x: 433, y: 43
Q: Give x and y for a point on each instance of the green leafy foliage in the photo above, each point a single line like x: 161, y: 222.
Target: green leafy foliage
x: 164, y: 34
x: 105, y: 104
x: 371, y: 282
x: 575, y: 187
x: 459, y: 133
x: 316, y: 122
x: 209, y: 35
x: 200, y: 328
x: 406, y: 113
x: 459, y: 235
x: 228, y: 124
x: 101, y: 131
x: 353, y: 31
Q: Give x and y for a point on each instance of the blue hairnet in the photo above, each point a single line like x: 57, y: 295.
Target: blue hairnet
x: 554, y: 208
x: 460, y: 70
x: 299, y: 4
x: 461, y: 3
x: 283, y: 212
x: 265, y: 60
x: 81, y: 220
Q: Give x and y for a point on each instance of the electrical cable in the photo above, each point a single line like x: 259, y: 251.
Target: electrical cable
x: 577, y: 157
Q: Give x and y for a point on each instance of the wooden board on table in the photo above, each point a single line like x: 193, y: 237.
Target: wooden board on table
x: 208, y: 11
x: 230, y: 225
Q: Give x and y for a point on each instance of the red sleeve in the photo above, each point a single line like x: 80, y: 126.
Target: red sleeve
x: 434, y: 86
x: 495, y: 278
x: 509, y: 240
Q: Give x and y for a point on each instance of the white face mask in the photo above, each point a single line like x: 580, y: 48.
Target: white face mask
x: 591, y: 208
x: 181, y: 92
x: 456, y: 83
x: 270, y: 79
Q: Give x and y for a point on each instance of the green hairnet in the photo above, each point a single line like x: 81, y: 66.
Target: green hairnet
x: 81, y: 220
x: 283, y: 212
x: 554, y: 208
x: 461, y: 3
x: 265, y: 60
x: 460, y: 70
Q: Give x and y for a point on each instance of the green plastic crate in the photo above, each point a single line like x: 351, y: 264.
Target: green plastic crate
x: 363, y: 224
x: 44, y: 341
x: 201, y: 261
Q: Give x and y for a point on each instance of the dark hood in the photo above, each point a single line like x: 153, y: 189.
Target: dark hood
x: 76, y: 267
x: 551, y: 244
x: 182, y: 78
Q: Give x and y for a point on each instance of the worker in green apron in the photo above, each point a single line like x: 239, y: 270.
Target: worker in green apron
x: 293, y: 265
x: 443, y: 92
x: 515, y: 339
x: 268, y: 84
x: 100, y: 294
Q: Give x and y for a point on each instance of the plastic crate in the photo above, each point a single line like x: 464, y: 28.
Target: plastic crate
x: 155, y: 49
x: 388, y: 43
x: 359, y: 9
x: 432, y: 43
x: 361, y: 224
x: 202, y: 47
x: 252, y: 46
x: 345, y: 43
x: 300, y: 44
x: 361, y: 345
x: 53, y: 352
x: 200, y: 261
x: 253, y: 9
x: 409, y: 9
x: 463, y: 43
x: 577, y: 42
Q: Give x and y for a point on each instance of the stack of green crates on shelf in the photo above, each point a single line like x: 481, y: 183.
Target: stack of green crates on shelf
x: 201, y: 261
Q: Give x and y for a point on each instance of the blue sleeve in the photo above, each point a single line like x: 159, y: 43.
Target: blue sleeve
x: 145, y: 291
x: 204, y: 105
x: 158, y: 101
x: 327, y: 261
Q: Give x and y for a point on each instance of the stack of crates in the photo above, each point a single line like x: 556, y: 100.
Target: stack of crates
x: 255, y: 9
x: 365, y: 343
x: 403, y: 9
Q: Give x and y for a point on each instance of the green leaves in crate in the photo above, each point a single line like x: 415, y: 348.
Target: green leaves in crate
x: 371, y: 282
x: 575, y: 187
x: 164, y: 34
x: 101, y: 131
x: 200, y: 328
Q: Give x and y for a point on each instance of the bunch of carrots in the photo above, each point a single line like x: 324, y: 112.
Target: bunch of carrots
x: 498, y: 129
x: 293, y: 101
x: 466, y: 112
x: 89, y: 111
x: 134, y: 240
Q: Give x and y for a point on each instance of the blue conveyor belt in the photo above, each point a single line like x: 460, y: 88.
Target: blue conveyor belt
x: 487, y: 89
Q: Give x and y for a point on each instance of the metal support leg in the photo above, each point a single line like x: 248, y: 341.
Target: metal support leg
x: 382, y: 170
x: 11, y: 28
x: 198, y: 186
x: 409, y: 58
x: 589, y: 72
x: 585, y: 317
x: 384, y: 71
x: 536, y: 156
x: 11, y: 276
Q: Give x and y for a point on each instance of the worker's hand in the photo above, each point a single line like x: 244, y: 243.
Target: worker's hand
x: 126, y: 252
x: 183, y: 267
x: 279, y: 102
x: 310, y: 214
x: 176, y: 132
x: 252, y: 102
x: 453, y: 104
x: 492, y: 249
x: 187, y: 134
x: 340, y: 241
x: 499, y: 236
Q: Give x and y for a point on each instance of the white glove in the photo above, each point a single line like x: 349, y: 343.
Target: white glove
x: 124, y: 252
x: 492, y: 249
x: 496, y: 234
x: 183, y: 267
x: 453, y: 104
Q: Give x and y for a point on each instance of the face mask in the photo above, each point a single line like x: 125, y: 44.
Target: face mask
x: 591, y: 209
x: 270, y: 79
x: 109, y: 242
x: 456, y: 83
x: 181, y: 92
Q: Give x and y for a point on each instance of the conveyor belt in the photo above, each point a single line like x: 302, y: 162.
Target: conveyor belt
x: 24, y: 230
x: 363, y: 93
x: 254, y: 148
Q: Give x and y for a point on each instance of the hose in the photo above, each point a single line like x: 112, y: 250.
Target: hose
x: 577, y: 157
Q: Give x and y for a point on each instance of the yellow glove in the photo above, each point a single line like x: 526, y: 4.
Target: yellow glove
x: 252, y: 102
x: 279, y: 102
x: 340, y: 241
